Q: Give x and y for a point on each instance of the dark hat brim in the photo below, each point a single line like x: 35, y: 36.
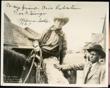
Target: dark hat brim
x: 101, y: 52
x: 65, y: 20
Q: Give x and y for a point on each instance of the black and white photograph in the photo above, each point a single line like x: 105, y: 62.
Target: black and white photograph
x: 54, y: 43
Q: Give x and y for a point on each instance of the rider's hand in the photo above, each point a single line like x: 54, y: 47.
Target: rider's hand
x: 35, y: 43
x: 36, y: 46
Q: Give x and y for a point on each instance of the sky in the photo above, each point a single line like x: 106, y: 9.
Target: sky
x: 85, y: 18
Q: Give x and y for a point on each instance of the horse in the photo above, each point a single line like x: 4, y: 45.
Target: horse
x: 14, y: 62
x: 12, y: 65
x: 16, y: 65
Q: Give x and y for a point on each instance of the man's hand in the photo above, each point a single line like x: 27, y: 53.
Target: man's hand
x: 36, y: 46
x: 61, y: 67
x: 57, y: 66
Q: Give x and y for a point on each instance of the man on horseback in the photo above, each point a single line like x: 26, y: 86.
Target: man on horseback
x: 53, y: 48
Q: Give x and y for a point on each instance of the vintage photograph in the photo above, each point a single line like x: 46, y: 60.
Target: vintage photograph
x: 60, y: 43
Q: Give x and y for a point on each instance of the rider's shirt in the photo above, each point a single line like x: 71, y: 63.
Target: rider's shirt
x: 53, y: 43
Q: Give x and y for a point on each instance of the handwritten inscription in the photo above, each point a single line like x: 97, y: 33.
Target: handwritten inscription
x: 65, y: 7
x: 43, y: 7
x: 25, y: 21
x: 40, y: 12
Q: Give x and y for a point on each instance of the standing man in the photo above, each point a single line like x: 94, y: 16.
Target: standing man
x: 94, y: 71
x: 53, y: 47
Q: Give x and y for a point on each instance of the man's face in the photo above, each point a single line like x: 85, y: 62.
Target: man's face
x: 94, y: 56
x: 58, y: 24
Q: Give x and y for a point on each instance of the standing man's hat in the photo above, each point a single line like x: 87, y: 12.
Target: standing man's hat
x: 61, y: 18
x: 97, y: 48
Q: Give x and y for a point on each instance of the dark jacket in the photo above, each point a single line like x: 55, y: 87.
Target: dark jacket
x: 58, y: 49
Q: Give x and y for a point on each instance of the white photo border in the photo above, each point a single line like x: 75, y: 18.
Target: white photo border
x: 70, y: 85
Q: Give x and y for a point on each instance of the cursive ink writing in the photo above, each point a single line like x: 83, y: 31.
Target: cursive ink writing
x: 66, y: 7
x: 39, y: 12
x: 27, y: 22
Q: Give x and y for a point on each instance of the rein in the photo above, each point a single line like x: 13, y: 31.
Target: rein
x: 33, y: 62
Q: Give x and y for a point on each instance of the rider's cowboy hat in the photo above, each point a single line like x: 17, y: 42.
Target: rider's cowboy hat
x: 62, y: 19
x: 97, y: 48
